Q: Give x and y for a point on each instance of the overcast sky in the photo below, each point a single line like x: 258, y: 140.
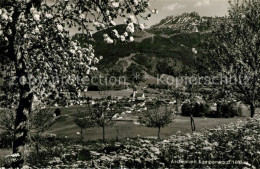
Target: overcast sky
x: 177, y: 7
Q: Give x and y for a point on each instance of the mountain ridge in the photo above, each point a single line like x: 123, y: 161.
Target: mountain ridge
x: 170, y: 47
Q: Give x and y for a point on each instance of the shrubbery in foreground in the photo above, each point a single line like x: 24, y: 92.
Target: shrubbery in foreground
x: 237, y: 142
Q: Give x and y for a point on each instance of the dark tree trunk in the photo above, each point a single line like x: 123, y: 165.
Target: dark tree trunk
x: 159, y: 131
x: 26, y: 96
x: 117, y: 134
x: 81, y: 134
x: 192, y: 123
x: 21, y: 123
x: 37, y: 148
x: 103, y: 133
x: 252, y: 110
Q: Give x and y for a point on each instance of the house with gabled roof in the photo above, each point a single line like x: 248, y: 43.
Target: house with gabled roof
x: 137, y: 96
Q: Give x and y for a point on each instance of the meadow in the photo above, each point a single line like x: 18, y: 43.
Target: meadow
x: 65, y: 126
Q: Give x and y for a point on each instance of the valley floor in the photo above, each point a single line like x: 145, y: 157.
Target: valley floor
x: 128, y: 129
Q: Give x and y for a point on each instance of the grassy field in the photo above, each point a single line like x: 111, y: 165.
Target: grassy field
x: 115, y: 93
x: 66, y: 127
x: 4, y: 153
x: 127, y: 129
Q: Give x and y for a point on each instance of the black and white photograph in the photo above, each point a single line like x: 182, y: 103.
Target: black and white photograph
x: 118, y: 84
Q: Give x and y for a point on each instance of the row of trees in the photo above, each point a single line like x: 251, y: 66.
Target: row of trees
x: 102, y: 113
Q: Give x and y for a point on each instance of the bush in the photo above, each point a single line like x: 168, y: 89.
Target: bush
x: 228, y: 110
x: 111, y: 148
x: 214, y: 114
x: 186, y: 109
x: 200, y: 110
x: 93, y: 88
x: 57, y: 112
x: 84, y: 155
x: 6, y: 140
x: 196, y: 109
x: 40, y: 159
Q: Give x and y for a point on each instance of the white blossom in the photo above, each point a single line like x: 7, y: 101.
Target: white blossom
x: 115, y: 4
x: 60, y: 27
x: 36, y: 30
x: 122, y: 37
x: 48, y: 16
x: 108, y: 12
x: 68, y: 7
x: 33, y: 10
x: 107, y: 39
x: 36, y: 16
x: 98, y: 10
x: 155, y: 11
x: 102, y: 25
x: 125, y: 34
x: 14, y: 155
x: 4, y: 16
x: 72, y: 51
x: 131, y: 39
x: 113, y: 23
x: 97, y: 24
x: 142, y: 26
x: 82, y: 16
x: 136, y: 2
x: 105, y: 35
x: 115, y: 33
x: 132, y: 18
x: 130, y: 27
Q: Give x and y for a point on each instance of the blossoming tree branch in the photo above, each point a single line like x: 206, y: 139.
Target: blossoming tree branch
x: 36, y: 47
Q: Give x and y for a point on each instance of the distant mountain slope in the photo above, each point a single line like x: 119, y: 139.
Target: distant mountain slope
x: 187, y: 22
x: 170, y: 47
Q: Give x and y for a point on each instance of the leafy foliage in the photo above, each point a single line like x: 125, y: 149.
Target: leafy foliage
x: 234, y: 51
x: 158, y: 117
x: 226, y: 110
x: 38, y: 51
x: 84, y: 121
x: 41, y: 120
x: 135, y: 74
x: 7, y: 119
x: 195, y: 109
x: 223, y: 144
x: 102, y: 112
